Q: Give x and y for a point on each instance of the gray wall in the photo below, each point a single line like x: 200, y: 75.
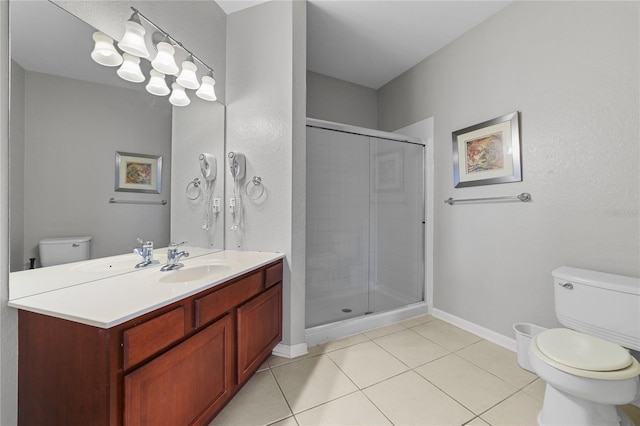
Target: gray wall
x: 72, y: 132
x: 16, y: 194
x: 572, y: 69
x: 340, y: 101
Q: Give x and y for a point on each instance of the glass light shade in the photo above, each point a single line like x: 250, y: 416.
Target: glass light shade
x: 206, y: 90
x: 164, y: 61
x: 133, y: 40
x: 179, y: 96
x: 187, y: 77
x: 130, y: 69
x: 157, y: 84
x: 104, y: 52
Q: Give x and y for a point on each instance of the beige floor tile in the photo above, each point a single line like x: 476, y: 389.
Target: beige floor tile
x: 446, y: 335
x: 343, y: 343
x: 353, y: 409
x: 499, y: 361
x: 536, y: 389
x: 259, y: 402
x: 289, y: 421
x: 383, y: 331
x: 417, y: 321
x: 409, y: 399
x: 467, y: 383
x: 411, y: 348
x: 477, y: 422
x: 367, y: 363
x: 274, y: 360
x: 519, y: 410
x: 633, y: 412
x: 312, y: 381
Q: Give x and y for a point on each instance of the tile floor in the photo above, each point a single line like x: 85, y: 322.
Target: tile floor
x: 419, y: 372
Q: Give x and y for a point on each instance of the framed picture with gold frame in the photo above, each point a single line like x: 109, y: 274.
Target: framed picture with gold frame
x: 488, y: 153
x: 138, y: 173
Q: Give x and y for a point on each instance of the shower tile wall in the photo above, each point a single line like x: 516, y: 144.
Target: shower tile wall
x: 337, y: 226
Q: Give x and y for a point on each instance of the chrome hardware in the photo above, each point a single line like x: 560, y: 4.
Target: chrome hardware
x: 568, y: 286
x: 146, y: 252
x: 173, y: 255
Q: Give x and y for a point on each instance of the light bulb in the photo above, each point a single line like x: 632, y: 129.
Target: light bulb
x: 207, y: 90
x: 157, y: 84
x: 164, y: 61
x: 133, y: 40
x: 104, y: 52
x: 130, y: 69
x: 179, y: 96
x: 187, y: 77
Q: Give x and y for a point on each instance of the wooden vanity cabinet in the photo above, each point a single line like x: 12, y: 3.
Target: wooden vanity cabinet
x: 178, y: 365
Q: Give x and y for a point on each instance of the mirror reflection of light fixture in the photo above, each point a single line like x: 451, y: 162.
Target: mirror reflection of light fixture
x: 130, y: 69
x: 178, y: 96
x: 133, y: 40
x: 164, y: 60
x: 207, y: 90
x: 157, y: 84
x: 188, y: 78
x: 104, y: 52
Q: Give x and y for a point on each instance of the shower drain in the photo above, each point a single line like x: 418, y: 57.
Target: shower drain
x: 346, y: 310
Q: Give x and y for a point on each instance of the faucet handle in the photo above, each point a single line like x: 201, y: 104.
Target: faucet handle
x: 176, y: 245
x: 148, y: 244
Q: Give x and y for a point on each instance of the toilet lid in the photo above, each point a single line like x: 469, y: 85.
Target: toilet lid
x: 582, y: 351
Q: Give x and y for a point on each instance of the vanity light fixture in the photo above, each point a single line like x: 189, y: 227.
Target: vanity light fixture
x: 178, y: 96
x: 133, y: 40
x: 104, y: 52
x: 164, y: 60
x: 130, y: 69
x: 188, y: 78
x: 157, y: 84
x: 207, y: 90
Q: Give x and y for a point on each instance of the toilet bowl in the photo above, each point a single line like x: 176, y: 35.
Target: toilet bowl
x: 587, y: 377
x: 587, y: 366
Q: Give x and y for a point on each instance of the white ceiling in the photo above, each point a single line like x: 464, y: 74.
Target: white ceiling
x: 370, y: 42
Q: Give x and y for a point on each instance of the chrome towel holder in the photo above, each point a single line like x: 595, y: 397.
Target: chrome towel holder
x: 524, y: 197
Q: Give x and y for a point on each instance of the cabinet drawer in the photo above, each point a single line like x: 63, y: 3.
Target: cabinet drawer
x: 213, y: 305
x: 144, y: 340
x: 273, y: 275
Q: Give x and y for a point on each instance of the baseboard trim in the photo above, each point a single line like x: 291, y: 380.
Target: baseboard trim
x: 287, y: 351
x: 485, y: 333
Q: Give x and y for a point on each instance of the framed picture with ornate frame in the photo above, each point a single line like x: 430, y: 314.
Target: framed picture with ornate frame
x: 488, y: 153
x: 138, y: 173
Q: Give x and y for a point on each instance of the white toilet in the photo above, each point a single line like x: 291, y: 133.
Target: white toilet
x: 586, y: 366
x: 59, y: 250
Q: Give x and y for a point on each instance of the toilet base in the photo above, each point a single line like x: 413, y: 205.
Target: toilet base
x: 562, y: 409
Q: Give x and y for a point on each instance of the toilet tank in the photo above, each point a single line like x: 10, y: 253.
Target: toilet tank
x: 599, y: 304
x: 59, y: 250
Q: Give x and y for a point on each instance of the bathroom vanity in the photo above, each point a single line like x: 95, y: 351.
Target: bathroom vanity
x: 137, y: 350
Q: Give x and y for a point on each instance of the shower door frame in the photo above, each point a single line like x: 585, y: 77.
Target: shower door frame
x: 327, y: 332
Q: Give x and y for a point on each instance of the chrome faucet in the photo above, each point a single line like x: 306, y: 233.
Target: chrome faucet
x: 146, y: 252
x: 173, y: 255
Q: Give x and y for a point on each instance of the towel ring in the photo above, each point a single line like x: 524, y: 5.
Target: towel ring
x: 193, y: 189
x: 254, y: 188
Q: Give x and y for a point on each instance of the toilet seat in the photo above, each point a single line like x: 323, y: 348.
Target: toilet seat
x: 583, y: 355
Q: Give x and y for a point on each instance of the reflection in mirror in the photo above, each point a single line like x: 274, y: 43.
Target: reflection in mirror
x: 68, y: 118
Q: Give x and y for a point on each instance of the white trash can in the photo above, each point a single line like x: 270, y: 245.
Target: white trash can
x: 524, y: 333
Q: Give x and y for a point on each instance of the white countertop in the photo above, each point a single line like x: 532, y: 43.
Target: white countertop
x: 114, y: 300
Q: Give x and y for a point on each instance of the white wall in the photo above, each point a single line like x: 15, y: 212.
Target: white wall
x: 8, y: 316
x: 263, y: 87
x: 340, y: 101
x: 572, y: 69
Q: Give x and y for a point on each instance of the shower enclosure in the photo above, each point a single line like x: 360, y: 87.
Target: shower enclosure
x: 365, y: 222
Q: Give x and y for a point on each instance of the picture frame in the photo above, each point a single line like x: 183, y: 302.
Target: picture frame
x: 488, y: 153
x: 138, y: 173
x: 389, y: 167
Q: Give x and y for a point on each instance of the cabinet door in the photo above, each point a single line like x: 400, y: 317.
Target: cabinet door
x: 185, y: 385
x: 259, y: 330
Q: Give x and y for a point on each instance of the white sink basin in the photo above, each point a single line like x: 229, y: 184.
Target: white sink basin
x: 195, y: 273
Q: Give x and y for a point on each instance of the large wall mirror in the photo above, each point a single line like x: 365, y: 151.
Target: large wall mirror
x: 69, y: 117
